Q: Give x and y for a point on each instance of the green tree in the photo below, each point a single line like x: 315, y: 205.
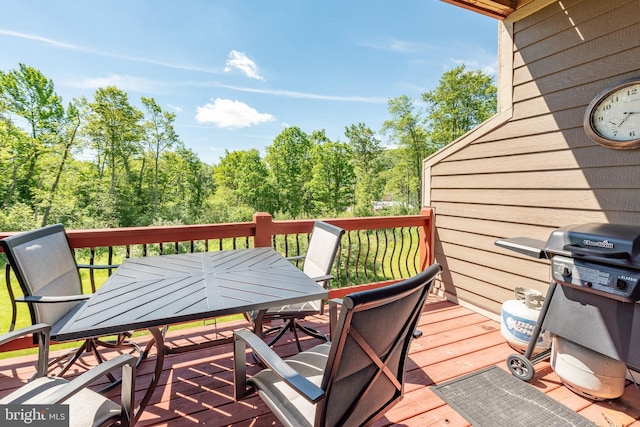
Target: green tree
x: 246, y: 176
x: 333, y: 181
x: 115, y: 134
x: 14, y: 154
x: 185, y: 183
x: 160, y: 136
x: 366, y: 154
x: 406, y: 129
x: 67, y: 135
x: 290, y: 165
x: 27, y: 94
x: 462, y: 100
x: 197, y: 188
x: 114, y: 130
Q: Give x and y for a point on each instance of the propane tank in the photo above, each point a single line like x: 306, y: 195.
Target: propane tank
x: 587, y: 373
x: 519, y: 317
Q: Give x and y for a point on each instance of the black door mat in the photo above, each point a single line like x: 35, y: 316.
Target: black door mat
x: 492, y: 397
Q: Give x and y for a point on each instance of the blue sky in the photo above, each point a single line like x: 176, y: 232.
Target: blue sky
x: 237, y: 72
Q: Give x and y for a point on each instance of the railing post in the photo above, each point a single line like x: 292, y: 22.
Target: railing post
x: 427, y: 238
x: 264, y: 229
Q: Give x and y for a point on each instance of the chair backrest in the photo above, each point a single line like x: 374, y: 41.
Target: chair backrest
x: 323, y: 246
x: 44, y: 265
x: 364, y: 376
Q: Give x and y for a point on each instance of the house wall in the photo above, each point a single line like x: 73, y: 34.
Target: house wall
x: 532, y: 168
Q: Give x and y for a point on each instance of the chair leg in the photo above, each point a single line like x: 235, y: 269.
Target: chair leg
x: 119, y: 344
x: 71, y: 357
x: 293, y: 326
x: 65, y: 361
x: 311, y: 332
x: 281, y: 331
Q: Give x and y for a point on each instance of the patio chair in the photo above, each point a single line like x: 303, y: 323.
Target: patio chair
x: 45, y: 266
x: 351, y: 381
x: 317, y: 264
x: 86, y: 407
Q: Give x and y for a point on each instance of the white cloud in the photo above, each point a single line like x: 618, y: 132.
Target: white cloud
x: 305, y: 95
x: 400, y: 46
x: 37, y: 38
x: 227, y: 113
x: 240, y: 61
x: 121, y: 81
x: 175, y: 108
x: 178, y: 66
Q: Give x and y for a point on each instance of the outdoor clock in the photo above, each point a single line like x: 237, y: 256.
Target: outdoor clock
x: 612, y: 119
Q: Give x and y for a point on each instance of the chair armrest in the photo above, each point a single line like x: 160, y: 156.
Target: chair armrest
x: 23, y: 332
x: 300, y: 384
x: 52, y: 299
x: 128, y: 364
x: 98, y: 266
x: 44, y: 331
x: 323, y: 278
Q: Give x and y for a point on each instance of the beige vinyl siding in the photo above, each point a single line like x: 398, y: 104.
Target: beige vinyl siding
x: 535, y: 169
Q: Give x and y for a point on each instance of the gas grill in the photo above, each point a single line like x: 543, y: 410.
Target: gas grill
x: 593, y: 294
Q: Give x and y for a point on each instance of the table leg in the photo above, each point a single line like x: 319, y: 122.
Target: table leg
x: 158, y: 341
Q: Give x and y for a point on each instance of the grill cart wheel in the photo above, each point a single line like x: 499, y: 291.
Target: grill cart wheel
x: 520, y: 367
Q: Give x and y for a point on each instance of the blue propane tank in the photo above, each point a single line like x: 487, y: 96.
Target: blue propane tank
x: 519, y: 317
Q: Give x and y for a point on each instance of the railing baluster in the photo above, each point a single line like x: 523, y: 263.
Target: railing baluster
x: 14, y: 307
x: 338, y: 263
x: 366, y: 255
x: 110, y: 257
x: 393, y: 252
x: 358, y: 233
x: 416, y: 234
x: 384, y: 252
x: 375, y: 256
x: 348, y: 261
x: 92, y: 277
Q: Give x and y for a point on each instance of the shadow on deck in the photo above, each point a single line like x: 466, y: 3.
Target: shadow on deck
x: 197, y: 387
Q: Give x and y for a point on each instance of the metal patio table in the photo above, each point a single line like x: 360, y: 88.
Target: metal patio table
x: 152, y: 292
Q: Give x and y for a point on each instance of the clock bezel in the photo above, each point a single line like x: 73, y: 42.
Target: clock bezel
x: 588, y: 122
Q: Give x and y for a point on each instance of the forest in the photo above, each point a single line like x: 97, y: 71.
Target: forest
x: 110, y: 161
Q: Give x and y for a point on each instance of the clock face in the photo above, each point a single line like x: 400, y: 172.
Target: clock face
x: 613, y: 117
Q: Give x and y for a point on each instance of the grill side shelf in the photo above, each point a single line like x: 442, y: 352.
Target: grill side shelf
x: 524, y: 245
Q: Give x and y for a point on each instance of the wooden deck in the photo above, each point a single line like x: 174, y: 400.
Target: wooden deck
x: 197, y: 387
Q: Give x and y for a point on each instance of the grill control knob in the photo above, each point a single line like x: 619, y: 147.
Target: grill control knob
x: 563, y: 270
x: 621, y: 284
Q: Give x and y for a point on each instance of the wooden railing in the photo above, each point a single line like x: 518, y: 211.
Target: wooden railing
x: 374, y: 250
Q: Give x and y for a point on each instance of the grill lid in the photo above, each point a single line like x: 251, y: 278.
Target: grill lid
x: 610, y: 243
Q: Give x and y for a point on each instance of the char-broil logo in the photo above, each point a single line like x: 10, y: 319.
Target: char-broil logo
x: 34, y: 415
x: 601, y: 244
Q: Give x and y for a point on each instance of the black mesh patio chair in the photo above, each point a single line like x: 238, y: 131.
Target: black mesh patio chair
x: 44, y: 264
x: 86, y: 407
x: 317, y: 263
x: 351, y: 381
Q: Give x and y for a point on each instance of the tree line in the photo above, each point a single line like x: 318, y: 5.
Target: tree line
x: 108, y: 162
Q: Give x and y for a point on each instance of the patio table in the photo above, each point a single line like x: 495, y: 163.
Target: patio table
x: 152, y: 292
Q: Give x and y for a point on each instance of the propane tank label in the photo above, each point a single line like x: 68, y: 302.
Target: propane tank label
x: 520, y: 328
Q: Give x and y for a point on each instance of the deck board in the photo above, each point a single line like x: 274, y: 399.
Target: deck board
x: 197, y: 387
